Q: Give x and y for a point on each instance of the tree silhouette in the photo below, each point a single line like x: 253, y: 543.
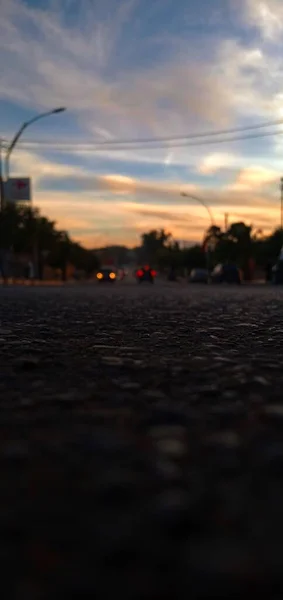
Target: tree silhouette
x: 25, y: 231
x: 152, y: 242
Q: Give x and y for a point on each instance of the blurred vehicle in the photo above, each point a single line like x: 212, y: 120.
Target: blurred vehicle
x: 199, y: 276
x: 277, y: 270
x: 226, y: 274
x: 145, y: 274
x: 106, y: 275
x: 277, y: 273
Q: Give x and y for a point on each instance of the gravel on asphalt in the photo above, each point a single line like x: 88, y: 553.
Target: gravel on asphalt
x: 141, y: 444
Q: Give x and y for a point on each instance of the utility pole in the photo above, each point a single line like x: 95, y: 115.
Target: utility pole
x: 2, y: 205
x: 2, y: 189
x: 226, y: 221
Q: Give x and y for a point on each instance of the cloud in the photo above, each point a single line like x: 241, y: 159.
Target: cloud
x: 234, y: 194
x: 217, y: 161
x: 118, y: 184
x: 267, y: 16
x: 254, y: 74
x: 255, y: 177
x: 96, y: 65
x: 90, y: 219
x: 39, y: 167
x: 266, y: 76
x: 112, y: 197
x: 123, y: 75
x: 88, y: 68
x: 162, y: 215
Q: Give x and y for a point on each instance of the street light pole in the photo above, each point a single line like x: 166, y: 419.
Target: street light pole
x: 15, y: 139
x: 205, y: 205
x: 9, y: 150
x: 226, y: 221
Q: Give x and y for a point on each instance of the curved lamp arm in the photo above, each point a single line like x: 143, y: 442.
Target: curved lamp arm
x: 15, y: 139
x: 202, y: 202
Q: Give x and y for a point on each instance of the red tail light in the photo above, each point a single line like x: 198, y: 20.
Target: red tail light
x: 153, y: 273
x: 139, y: 273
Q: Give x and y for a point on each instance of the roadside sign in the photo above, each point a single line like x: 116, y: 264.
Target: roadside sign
x: 18, y: 189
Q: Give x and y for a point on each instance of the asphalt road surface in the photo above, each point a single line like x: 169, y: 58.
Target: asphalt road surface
x: 141, y: 443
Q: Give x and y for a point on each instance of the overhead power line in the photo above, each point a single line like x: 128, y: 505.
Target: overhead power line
x: 92, y: 146
x: 155, y: 140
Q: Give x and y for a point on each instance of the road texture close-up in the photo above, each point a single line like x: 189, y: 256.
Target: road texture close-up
x: 141, y: 441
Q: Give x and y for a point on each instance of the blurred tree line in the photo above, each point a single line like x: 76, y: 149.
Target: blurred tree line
x: 25, y: 232
x: 240, y: 244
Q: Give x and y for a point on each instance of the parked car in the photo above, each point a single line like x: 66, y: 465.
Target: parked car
x: 106, y: 275
x: 199, y: 276
x: 277, y: 270
x: 145, y: 274
x: 227, y: 273
x: 277, y: 273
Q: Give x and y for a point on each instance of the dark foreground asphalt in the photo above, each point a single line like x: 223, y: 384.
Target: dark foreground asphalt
x: 141, y: 444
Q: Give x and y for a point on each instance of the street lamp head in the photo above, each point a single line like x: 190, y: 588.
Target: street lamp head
x: 58, y: 110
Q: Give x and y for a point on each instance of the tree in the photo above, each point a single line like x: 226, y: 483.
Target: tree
x: 266, y: 248
x: 234, y: 245
x: 194, y: 258
x: 169, y: 257
x: 10, y: 225
x: 152, y: 242
x: 214, y: 234
x: 28, y: 233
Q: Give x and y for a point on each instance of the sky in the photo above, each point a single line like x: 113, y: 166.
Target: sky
x: 138, y: 69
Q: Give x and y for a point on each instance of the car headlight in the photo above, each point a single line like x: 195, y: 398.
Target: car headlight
x: 99, y: 275
x: 112, y: 275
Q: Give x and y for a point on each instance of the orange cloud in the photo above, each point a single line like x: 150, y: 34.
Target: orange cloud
x: 255, y: 177
x: 120, y: 207
x: 118, y: 184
